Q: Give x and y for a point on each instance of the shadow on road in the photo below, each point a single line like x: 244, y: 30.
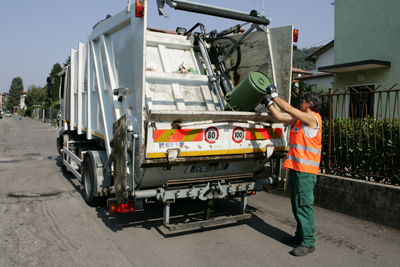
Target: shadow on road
x: 182, y: 211
x: 259, y: 224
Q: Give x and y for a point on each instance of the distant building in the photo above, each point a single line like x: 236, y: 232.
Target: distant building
x: 22, y: 96
x: 366, y: 47
x: 3, y: 98
x: 322, y: 57
x: 298, y: 73
x: 366, y: 54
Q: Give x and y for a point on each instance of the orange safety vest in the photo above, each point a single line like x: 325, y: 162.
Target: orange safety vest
x: 304, y: 153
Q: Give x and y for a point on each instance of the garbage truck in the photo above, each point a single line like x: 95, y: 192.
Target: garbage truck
x: 159, y: 115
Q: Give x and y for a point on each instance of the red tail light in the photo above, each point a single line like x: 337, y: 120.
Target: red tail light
x: 251, y: 193
x: 295, y: 35
x: 139, y: 9
x: 115, y: 207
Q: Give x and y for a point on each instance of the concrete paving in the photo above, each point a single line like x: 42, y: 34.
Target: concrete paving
x: 45, y: 222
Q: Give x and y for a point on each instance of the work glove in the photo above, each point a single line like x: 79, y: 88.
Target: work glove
x: 272, y: 91
x: 267, y: 102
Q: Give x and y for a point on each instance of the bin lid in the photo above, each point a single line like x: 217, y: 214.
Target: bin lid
x: 260, y: 80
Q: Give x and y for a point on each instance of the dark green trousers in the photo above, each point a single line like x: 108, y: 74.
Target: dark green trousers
x: 302, y: 198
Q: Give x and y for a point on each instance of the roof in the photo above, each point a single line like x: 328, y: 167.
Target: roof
x: 357, y: 65
x: 161, y: 30
x: 314, y: 56
x: 300, y: 71
x: 24, y: 92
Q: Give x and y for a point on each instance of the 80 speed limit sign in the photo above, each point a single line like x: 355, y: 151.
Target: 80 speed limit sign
x: 211, y: 135
x: 238, y: 134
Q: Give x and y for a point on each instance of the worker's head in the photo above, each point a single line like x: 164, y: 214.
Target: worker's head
x: 313, y: 99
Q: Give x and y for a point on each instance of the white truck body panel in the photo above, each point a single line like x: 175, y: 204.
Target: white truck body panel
x: 126, y: 70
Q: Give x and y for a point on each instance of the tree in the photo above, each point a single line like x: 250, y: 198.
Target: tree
x: 67, y: 62
x: 56, y: 85
x: 35, y: 96
x: 300, y: 55
x: 14, y: 93
x: 297, y: 91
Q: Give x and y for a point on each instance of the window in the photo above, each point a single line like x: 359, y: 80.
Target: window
x: 361, y: 101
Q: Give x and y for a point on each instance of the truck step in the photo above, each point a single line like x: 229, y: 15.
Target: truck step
x: 205, y: 223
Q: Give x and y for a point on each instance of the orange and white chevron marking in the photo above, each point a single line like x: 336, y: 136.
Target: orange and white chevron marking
x: 177, y: 135
x: 263, y: 133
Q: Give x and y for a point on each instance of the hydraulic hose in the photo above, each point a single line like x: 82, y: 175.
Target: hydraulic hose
x: 211, y: 75
x: 238, y: 51
x: 202, y: 28
x: 233, y: 29
x: 224, y: 81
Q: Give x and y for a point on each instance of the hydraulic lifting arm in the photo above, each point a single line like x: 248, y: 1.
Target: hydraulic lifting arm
x: 184, y: 5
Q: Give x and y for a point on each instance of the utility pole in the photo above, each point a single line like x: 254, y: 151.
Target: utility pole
x: 263, y: 8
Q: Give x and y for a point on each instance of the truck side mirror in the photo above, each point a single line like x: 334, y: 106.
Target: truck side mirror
x: 49, y: 87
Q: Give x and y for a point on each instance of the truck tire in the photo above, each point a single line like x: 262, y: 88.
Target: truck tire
x: 60, y: 143
x: 88, y: 176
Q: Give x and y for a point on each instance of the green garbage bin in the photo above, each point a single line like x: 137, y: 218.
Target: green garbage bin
x: 249, y: 93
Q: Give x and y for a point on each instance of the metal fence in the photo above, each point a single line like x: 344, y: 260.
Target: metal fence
x: 361, y: 132
x: 45, y: 115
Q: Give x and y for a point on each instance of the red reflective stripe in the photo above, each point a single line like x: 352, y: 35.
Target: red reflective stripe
x: 263, y: 133
x: 177, y: 135
x: 157, y: 134
x: 199, y: 136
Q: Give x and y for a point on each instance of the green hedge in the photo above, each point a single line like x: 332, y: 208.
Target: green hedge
x: 364, y: 148
x: 28, y: 111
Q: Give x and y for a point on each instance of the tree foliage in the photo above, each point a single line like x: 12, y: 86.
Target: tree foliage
x: 56, y: 85
x: 297, y: 91
x: 35, y: 96
x: 16, y: 88
x: 300, y: 55
x: 67, y: 62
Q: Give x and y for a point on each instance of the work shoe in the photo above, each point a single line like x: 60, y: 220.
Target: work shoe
x: 302, y: 250
x: 291, y: 240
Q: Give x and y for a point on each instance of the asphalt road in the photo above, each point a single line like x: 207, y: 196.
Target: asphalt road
x: 44, y: 221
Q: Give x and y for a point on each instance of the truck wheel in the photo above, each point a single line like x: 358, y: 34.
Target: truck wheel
x: 60, y: 142
x: 88, y: 176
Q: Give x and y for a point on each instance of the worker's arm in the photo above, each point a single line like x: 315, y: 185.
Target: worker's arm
x: 305, y: 117
x: 278, y: 115
x: 296, y: 114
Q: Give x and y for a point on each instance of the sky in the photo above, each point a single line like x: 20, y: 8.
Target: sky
x: 36, y: 34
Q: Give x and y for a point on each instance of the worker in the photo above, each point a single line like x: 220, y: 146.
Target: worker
x: 302, y: 161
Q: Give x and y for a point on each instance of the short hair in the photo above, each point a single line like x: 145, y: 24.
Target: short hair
x: 314, y: 99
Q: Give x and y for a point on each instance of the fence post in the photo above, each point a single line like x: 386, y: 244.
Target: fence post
x: 330, y: 130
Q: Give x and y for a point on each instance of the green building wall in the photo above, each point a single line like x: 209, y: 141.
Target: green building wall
x: 367, y: 29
